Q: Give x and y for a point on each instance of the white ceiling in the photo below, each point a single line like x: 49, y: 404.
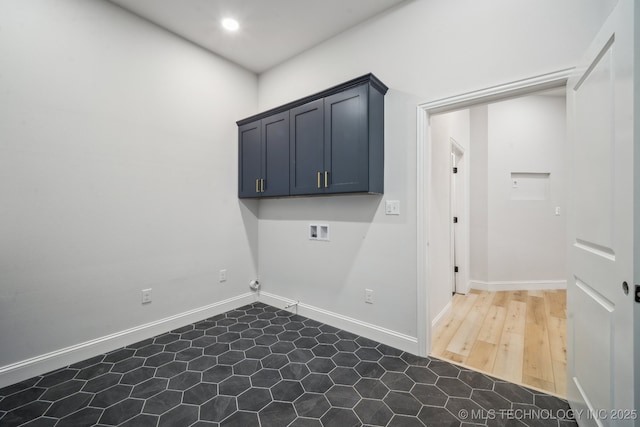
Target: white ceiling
x: 271, y: 31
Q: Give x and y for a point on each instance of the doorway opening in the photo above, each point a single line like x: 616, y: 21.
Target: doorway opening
x: 527, y: 186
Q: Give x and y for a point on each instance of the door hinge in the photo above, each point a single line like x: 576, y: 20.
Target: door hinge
x: 455, y: 170
x: 637, y: 297
x: 455, y: 219
x: 455, y: 269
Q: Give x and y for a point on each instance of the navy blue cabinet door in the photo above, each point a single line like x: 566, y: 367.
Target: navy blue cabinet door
x: 275, y: 155
x: 307, y: 148
x: 346, y: 143
x: 250, y: 159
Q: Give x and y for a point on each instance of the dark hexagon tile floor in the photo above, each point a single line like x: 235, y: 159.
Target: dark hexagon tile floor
x: 262, y: 366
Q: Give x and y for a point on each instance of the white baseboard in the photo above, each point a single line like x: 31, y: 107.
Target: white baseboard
x: 19, y: 371
x: 443, y: 313
x: 527, y: 285
x: 368, y: 330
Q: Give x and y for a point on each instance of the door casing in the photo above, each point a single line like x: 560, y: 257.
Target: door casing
x: 423, y: 157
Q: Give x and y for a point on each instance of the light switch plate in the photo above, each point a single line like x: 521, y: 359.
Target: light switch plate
x: 392, y: 207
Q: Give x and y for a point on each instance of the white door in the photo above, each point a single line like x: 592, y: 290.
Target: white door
x: 456, y: 197
x: 601, y: 364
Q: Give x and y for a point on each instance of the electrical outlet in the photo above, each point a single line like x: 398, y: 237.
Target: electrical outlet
x: 223, y: 275
x: 146, y: 296
x: 368, y: 296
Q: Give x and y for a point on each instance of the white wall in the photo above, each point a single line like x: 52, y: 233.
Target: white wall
x: 526, y: 240
x: 430, y: 49
x: 118, y: 171
x: 517, y: 244
x: 436, y: 49
x: 479, y: 194
x: 365, y: 243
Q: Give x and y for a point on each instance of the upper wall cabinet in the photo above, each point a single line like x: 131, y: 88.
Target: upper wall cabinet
x: 334, y: 143
x: 263, y: 147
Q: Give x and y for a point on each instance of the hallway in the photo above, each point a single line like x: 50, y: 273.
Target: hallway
x: 519, y: 336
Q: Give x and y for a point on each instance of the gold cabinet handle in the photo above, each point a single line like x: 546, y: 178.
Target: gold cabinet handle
x: 319, y: 174
x: 257, y: 185
x: 262, y: 185
x: 326, y: 179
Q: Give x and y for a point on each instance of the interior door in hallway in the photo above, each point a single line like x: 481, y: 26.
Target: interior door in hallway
x: 457, y: 201
x: 601, y: 366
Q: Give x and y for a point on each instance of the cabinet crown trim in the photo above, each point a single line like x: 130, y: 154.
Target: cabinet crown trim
x: 367, y: 78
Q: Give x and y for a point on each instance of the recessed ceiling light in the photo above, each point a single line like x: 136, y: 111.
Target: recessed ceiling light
x: 230, y: 24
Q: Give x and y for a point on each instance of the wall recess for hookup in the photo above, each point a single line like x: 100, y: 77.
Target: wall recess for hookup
x: 319, y: 232
x: 323, y: 232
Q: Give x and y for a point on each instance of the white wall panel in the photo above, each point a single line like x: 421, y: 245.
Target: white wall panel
x: 118, y: 164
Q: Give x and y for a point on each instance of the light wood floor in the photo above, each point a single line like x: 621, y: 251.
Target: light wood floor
x: 518, y: 336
